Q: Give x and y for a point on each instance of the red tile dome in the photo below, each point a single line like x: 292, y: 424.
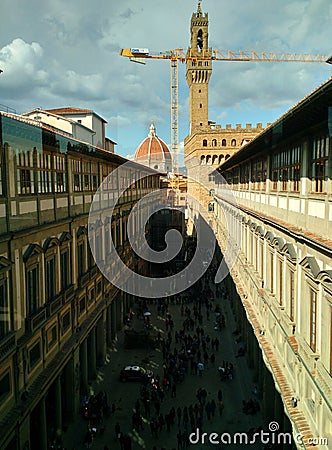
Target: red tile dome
x: 153, y: 152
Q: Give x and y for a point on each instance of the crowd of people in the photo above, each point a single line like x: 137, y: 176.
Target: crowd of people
x: 189, y: 347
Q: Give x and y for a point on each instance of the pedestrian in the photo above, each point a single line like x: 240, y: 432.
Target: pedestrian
x: 213, y: 407
x: 117, y: 431
x: 208, y: 411
x: 179, y: 414
x: 220, y: 407
x: 173, y: 393
x: 200, y: 368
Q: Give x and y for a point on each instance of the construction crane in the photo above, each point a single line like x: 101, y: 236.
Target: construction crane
x: 139, y: 55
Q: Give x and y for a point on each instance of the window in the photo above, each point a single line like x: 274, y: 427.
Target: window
x: 280, y: 169
x: 50, y: 277
x: 319, y: 164
x: 223, y: 143
x: 65, y: 321
x: 313, y: 319
x: 291, y: 295
x: 214, y: 142
x: 45, y: 173
x: 77, y: 175
x: 204, y: 143
x: 34, y: 355
x: 233, y: 143
x: 82, y: 305
x: 32, y: 289
x: 86, y: 175
x: 259, y: 173
x: 52, y: 336
x: 295, y: 165
x: 280, y: 283
x: 271, y: 273
x: 60, y: 181
x: 25, y: 173
x: 65, y: 268
x: 244, y: 176
x: 80, y: 258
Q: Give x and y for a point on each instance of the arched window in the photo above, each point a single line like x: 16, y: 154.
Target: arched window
x: 214, y: 142
x: 214, y: 159
x: 220, y: 158
x: 202, y: 160
x: 227, y: 156
x: 223, y: 143
x: 233, y: 143
x: 208, y: 159
x: 204, y: 143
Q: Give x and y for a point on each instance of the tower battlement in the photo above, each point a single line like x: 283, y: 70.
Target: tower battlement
x: 238, y: 127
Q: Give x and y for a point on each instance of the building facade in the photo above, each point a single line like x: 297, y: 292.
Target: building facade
x: 56, y: 308
x: 282, y: 277
x: 154, y: 153
x: 208, y: 142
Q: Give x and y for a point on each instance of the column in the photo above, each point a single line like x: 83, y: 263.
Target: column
x: 113, y: 317
x: 119, y: 307
x: 69, y: 390
x: 84, y: 367
x: 268, y: 397
x: 92, y: 357
x: 58, y: 407
x: 42, y: 424
x: 101, y: 347
x: 109, y: 326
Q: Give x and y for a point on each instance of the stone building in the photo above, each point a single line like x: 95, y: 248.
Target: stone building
x: 58, y: 313
x: 207, y: 141
x: 282, y: 276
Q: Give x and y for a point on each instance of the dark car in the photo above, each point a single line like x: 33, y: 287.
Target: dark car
x: 135, y: 373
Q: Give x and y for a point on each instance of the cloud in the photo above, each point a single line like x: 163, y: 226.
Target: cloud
x: 22, y: 65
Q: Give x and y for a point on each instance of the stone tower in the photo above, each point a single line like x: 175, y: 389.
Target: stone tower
x: 198, y: 71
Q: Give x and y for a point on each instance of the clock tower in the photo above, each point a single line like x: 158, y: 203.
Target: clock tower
x: 198, y: 70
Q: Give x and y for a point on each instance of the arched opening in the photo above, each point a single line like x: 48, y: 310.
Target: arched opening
x: 223, y: 143
x: 200, y: 40
x: 204, y: 143
x: 214, y: 142
x: 233, y: 142
x: 202, y: 160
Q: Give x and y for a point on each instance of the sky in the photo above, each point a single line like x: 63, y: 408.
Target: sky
x: 60, y: 53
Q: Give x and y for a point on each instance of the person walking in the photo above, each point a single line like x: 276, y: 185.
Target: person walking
x: 220, y: 407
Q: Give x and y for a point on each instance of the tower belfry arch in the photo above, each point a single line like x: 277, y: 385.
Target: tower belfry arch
x: 198, y: 72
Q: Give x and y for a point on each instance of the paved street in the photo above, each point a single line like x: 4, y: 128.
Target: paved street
x: 124, y: 395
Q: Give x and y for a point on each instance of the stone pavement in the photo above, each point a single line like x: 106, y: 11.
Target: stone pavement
x: 124, y: 395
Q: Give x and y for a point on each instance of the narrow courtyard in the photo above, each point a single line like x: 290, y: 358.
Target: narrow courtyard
x: 141, y: 426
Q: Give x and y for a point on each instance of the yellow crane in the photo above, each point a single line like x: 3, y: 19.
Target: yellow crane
x: 139, y: 55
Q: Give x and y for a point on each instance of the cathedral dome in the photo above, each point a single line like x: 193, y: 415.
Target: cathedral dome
x: 153, y: 152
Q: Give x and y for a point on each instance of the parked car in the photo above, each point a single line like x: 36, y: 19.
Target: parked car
x: 135, y: 373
